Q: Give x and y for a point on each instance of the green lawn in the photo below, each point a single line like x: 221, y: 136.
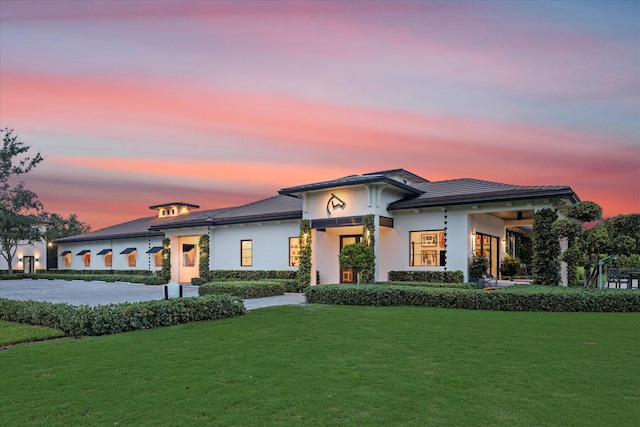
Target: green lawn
x: 11, y: 333
x: 337, y: 366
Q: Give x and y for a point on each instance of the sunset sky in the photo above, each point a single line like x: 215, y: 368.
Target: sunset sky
x: 137, y: 103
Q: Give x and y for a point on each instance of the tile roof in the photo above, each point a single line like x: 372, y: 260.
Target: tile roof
x: 271, y: 209
x: 369, y: 178
x: 469, y: 190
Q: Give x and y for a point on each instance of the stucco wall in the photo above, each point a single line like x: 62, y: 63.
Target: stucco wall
x: 144, y: 261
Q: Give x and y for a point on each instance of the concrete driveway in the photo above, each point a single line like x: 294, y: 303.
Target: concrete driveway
x: 76, y: 292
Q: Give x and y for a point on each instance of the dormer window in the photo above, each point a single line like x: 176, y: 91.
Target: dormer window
x: 173, y: 209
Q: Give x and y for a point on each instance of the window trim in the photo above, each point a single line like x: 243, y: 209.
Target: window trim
x: 242, y: 253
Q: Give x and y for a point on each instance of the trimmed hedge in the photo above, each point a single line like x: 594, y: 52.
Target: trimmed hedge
x: 455, y: 276
x: 105, y: 271
x: 518, y: 299
x: 147, y: 280
x: 431, y: 285
x: 243, y: 290
x: 234, y: 275
x: 115, y: 318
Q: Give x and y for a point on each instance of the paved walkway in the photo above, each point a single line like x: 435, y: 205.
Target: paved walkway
x: 77, y: 292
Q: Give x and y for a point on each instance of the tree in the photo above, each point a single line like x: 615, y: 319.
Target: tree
x: 57, y: 228
x: 303, y: 275
x: 546, y: 248
x: 357, y: 256
x: 18, y: 206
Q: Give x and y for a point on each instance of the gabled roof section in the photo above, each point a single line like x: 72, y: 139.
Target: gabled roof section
x: 271, y: 209
x: 136, y: 228
x: 468, y: 190
x: 398, y: 178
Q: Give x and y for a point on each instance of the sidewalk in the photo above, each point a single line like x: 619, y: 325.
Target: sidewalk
x: 76, y: 292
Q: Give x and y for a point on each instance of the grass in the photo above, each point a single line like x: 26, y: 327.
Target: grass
x: 337, y: 366
x: 13, y: 333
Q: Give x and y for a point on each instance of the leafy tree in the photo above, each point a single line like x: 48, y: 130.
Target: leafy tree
x: 18, y: 206
x: 357, y: 256
x: 57, y: 228
x: 546, y: 248
x: 368, y: 230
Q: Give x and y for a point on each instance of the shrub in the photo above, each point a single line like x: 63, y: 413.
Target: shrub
x: 101, y: 272
x: 244, y: 275
x: 147, y: 280
x: 527, y: 298
x: 243, y: 290
x: 456, y: 285
x: 478, y: 266
x: 510, y: 266
x: 115, y: 318
x: 456, y: 276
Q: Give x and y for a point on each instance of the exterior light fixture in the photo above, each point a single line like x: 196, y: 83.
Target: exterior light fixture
x: 37, y: 259
x: 20, y: 259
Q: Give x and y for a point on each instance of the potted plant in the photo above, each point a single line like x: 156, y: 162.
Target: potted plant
x: 509, y: 266
x: 478, y: 268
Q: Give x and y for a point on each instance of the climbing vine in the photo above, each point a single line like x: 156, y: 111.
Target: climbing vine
x: 303, y: 277
x: 368, y: 271
x: 546, y: 248
x: 203, y: 264
x: 165, y: 272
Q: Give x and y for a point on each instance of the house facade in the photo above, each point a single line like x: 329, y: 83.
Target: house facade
x: 419, y: 225
x: 28, y: 258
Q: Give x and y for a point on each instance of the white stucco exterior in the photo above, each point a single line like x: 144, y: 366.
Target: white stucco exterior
x: 448, y: 216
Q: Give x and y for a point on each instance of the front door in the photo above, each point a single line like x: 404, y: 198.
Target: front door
x: 348, y: 275
x: 29, y: 264
x: 487, y: 246
x: 188, y: 262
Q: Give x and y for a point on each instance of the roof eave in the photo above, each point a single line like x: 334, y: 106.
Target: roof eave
x: 455, y: 200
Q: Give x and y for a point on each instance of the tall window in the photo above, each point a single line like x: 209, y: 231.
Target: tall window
x: 108, y: 259
x: 188, y: 255
x: 427, y: 248
x: 246, y: 253
x: 67, y: 260
x: 487, y: 245
x: 132, y: 259
x: 86, y: 258
x: 157, y: 259
x: 294, y: 251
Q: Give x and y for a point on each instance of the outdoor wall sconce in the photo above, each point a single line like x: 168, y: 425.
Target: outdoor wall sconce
x: 19, y: 259
x: 37, y: 259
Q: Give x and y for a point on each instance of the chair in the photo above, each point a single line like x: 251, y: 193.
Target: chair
x: 617, y: 277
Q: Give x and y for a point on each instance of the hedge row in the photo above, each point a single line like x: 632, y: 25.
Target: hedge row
x: 104, y: 271
x: 234, y: 275
x: 147, y: 280
x: 455, y: 276
x: 115, y: 318
x: 454, y: 285
x: 499, y: 300
x: 243, y: 290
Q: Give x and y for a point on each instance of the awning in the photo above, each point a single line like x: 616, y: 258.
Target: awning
x: 127, y: 251
x: 65, y: 253
x: 86, y: 251
x: 154, y: 250
x: 104, y: 252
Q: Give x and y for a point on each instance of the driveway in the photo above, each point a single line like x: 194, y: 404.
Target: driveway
x: 77, y: 292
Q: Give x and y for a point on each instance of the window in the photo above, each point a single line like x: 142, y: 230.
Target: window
x: 246, y: 253
x: 188, y: 255
x: 132, y: 259
x: 86, y: 258
x: 427, y: 248
x: 157, y: 259
x: 67, y: 260
x: 108, y: 259
x: 294, y: 251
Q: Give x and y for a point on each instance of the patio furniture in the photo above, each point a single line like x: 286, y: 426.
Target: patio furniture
x: 617, y: 277
x: 632, y: 275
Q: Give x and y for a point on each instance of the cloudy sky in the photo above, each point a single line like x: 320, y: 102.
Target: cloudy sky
x: 136, y: 103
